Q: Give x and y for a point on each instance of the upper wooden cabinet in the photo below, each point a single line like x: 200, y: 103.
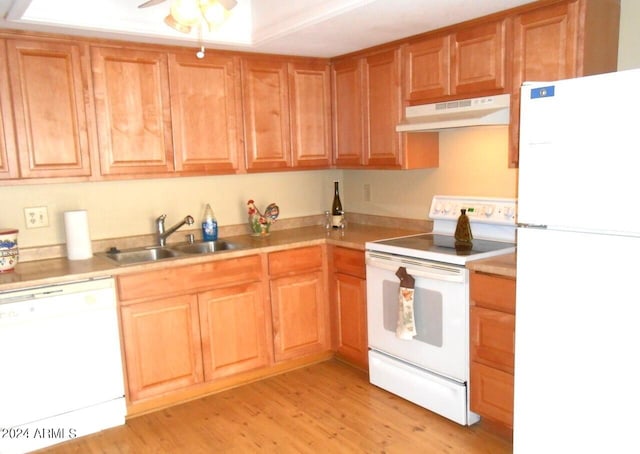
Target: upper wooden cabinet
x: 206, y: 113
x: 266, y: 114
x: 564, y: 40
x: 286, y: 114
x: 49, y: 90
x: 132, y: 111
x: 8, y: 157
x: 310, y: 113
x: 471, y: 60
x: 367, y: 98
x: 347, y: 105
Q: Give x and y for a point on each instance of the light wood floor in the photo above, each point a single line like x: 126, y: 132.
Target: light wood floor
x: 325, y: 408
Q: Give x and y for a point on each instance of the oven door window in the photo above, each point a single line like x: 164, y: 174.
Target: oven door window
x: 427, y: 312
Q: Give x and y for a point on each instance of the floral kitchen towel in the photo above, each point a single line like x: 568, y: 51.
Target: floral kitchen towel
x: 406, y: 328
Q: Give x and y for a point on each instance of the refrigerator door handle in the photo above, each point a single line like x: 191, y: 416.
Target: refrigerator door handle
x: 531, y: 226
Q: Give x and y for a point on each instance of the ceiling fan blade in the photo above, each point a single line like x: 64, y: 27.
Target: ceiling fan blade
x: 150, y: 3
x: 228, y: 4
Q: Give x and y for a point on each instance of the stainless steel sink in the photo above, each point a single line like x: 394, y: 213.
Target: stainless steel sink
x: 205, y: 247
x: 155, y: 253
x: 141, y: 255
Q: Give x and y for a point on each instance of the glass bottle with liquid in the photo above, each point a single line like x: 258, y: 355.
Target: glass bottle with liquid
x: 337, y: 213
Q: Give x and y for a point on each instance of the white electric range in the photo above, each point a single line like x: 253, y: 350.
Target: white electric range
x: 431, y: 368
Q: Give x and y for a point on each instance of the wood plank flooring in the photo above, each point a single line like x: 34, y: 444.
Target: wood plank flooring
x: 328, y: 407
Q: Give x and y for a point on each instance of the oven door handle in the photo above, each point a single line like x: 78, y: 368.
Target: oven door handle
x: 417, y: 268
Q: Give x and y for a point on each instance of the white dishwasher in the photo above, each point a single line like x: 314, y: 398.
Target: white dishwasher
x: 61, y: 369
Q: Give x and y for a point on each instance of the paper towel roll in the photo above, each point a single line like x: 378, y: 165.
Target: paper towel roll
x: 76, y: 226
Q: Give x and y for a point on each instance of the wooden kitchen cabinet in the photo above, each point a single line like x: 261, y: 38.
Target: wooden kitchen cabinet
x: 348, y: 106
x: 367, y: 106
x: 310, y: 114
x: 492, y: 324
x: 133, y: 111
x: 564, y: 40
x: 299, y: 302
x: 188, y: 325
x: 234, y: 330
x: 206, y: 113
x: 286, y: 113
x: 8, y: 156
x: 161, y: 346
x: 49, y: 90
x: 470, y: 61
x: 350, y: 306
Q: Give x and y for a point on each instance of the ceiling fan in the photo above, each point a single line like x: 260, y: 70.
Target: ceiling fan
x: 228, y: 4
x: 185, y: 14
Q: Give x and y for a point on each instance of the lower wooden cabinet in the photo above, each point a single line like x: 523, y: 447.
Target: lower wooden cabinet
x: 492, y: 347
x: 299, y: 309
x: 233, y: 329
x: 350, y: 306
x: 188, y: 325
x: 161, y: 345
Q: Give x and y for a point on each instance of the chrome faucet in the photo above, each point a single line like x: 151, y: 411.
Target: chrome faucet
x: 162, y: 234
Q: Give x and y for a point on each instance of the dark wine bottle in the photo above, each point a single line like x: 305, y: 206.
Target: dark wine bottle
x: 336, y: 208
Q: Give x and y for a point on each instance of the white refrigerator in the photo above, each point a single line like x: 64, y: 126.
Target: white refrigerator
x: 577, y: 346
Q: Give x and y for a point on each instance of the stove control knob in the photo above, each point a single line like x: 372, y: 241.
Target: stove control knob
x: 437, y: 208
x: 508, y: 212
x: 447, y: 208
x: 488, y: 210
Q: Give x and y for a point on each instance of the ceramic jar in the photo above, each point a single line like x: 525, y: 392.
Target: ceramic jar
x: 8, y: 249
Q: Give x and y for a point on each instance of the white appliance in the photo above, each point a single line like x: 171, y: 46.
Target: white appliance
x: 432, y: 368
x: 488, y: 110
x: 578, y: 310
x: 61, y: 374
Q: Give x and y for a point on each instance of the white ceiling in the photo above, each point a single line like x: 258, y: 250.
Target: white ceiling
x: 322, y: 28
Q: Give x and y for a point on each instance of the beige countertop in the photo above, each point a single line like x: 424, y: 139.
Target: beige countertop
x: 504, y: 265
x: 58, y: 270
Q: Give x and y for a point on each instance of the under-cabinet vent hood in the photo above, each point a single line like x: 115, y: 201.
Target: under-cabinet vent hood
x: 490, y: 110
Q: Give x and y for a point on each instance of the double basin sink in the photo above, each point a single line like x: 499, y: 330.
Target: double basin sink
x: 155, y: 253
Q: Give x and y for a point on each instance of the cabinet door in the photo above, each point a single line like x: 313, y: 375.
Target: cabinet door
x: 427, y: 69
x: 132, y: 111
x: 310, y: 108
x: 352, y: 319
x: 47, y: 86
x: 266, y: 114
x: 493, y: 338
x: 161, y: 346
x: 478, y: 57
x: 544, y: 48
x: 348, y: 112
x: 234, y: 331
x: 299, y: 314
x: 8, y: 157
x: 384, y: 109
x: 492, y: 394
x: 206, y: 113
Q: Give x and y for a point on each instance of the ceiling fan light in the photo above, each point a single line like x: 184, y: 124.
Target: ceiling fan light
x: 214, y: 13
x: 171, y: 22
x: 186, y: 12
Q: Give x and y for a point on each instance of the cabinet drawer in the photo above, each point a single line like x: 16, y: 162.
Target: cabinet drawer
x: 492, y: 394
x: 349, y: 261
x: 188, y: 278
x: 493, y: 338
x: 493, y: 292
x: 295, y: 260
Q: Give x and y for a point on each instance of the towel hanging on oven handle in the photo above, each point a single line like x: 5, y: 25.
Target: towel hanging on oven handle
x: 406, y: 327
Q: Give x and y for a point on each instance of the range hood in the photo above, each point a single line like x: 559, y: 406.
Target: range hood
x: 490, y: 110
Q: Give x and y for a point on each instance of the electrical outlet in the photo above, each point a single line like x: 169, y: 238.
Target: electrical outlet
x: 366, y: 192
x: 36, y: 217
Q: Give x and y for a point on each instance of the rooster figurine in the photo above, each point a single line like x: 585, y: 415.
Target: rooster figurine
x: 260, y: 223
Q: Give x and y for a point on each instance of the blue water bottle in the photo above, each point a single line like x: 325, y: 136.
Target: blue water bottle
x: 209, y: 225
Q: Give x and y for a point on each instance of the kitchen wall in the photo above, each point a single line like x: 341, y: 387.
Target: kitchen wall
x: 472, y: 162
